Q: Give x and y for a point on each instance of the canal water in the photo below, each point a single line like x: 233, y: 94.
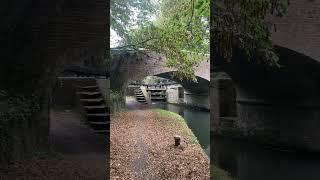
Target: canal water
x: 197, y: 120
x: 244, y: 160
x: 247, y: 161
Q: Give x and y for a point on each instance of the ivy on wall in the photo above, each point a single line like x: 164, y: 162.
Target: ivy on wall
x: 15, y: 111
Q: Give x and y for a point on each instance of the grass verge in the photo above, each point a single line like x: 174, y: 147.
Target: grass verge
x: 219, y: 174
x: 174, y: 116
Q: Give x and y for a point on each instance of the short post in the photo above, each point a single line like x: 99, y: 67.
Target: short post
x: 177, y: 140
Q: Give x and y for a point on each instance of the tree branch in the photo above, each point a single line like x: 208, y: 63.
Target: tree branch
x: 134, y: 45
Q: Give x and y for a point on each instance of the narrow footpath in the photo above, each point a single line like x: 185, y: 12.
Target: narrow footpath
x: 78, y: 143
x: 142, y: 146
x: 77, y: 153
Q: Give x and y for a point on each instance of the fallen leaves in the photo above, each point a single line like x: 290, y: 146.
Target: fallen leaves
x: 163, y: 159
x: 48, y: 169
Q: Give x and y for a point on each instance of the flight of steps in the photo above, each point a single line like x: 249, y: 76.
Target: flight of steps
x: 98, y: 114
x: 140, y: 96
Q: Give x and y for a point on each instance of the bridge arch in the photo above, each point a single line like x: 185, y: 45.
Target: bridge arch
x: 299, y: 28
x: 276, y: 103
x: 137, y: 65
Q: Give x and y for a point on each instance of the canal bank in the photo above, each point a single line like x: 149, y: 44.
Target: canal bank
x: 142, y: 146
x: 247, y: 160
x: 197, y: 119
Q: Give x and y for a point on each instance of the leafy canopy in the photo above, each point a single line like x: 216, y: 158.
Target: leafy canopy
x: 244, y: 25
x: 180, y: 31
x: 125, y: 14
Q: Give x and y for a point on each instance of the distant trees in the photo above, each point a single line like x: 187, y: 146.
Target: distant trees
x: 154, y: 80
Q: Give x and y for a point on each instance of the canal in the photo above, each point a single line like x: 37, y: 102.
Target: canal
x: 198, y: 121
x: 244, y: 160
x: 248, y: 161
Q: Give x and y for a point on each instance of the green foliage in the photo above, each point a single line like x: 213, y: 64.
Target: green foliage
x: 18, y: 106
x: 117, y: 101
x: 244, y: 25
x: 165, y: 113
x: 123, y: 12
x: 180, y: 31
x: 217, y: 173
x: 187, y: 132
x: 15, y: 109
x: 154, y: 80
x: 115, y: 96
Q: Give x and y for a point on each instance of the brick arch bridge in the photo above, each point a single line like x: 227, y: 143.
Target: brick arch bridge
x: 278, y: 105
x: 299, y: 29
x: 137, y: 65
x: 131, y: 65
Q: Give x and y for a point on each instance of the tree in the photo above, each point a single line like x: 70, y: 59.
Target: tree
x: 154, y: 80
x: 125, y: 14
x: 244, y: 25
x: 180, y: 32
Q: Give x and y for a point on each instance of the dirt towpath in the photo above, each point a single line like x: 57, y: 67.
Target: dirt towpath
x: 78, y: 153
x: 78, y: 143
x: 142, y: 147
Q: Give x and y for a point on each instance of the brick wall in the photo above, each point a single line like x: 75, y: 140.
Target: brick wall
x: 136, y: 66
x: 299, y: 29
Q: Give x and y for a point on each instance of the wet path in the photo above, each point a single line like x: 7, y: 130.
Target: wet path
x: 77, y: 142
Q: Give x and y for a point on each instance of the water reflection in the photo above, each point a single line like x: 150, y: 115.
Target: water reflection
x: 197, y: 120
x: 247, y: 161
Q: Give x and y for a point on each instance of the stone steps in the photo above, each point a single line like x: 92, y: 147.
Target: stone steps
x: 98, y: 114
x: 92, y: 101
x: 96, y: 109
x: 88, y: 94
x: 100, y: 125
x: 142, y: 100
x: 88, y: 88
x: 140, y: 96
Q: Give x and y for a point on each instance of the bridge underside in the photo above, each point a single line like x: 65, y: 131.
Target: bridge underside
x: 279, y: 105
x: 128, y: 66
x: 201, y: 86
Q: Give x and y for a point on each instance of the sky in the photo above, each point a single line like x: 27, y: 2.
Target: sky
x: 115, y: 39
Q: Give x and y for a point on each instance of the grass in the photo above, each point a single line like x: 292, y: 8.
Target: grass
x: 169, y: 114
x: 219, y: 174
x: 181, y: 120
x: 216, y: 172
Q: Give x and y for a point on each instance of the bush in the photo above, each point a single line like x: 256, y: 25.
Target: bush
x: 117, y: 101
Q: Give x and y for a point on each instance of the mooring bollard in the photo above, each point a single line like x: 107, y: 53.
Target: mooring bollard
x: 177, y: 140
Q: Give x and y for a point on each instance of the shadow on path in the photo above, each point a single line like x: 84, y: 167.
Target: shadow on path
x: 77, y: 142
